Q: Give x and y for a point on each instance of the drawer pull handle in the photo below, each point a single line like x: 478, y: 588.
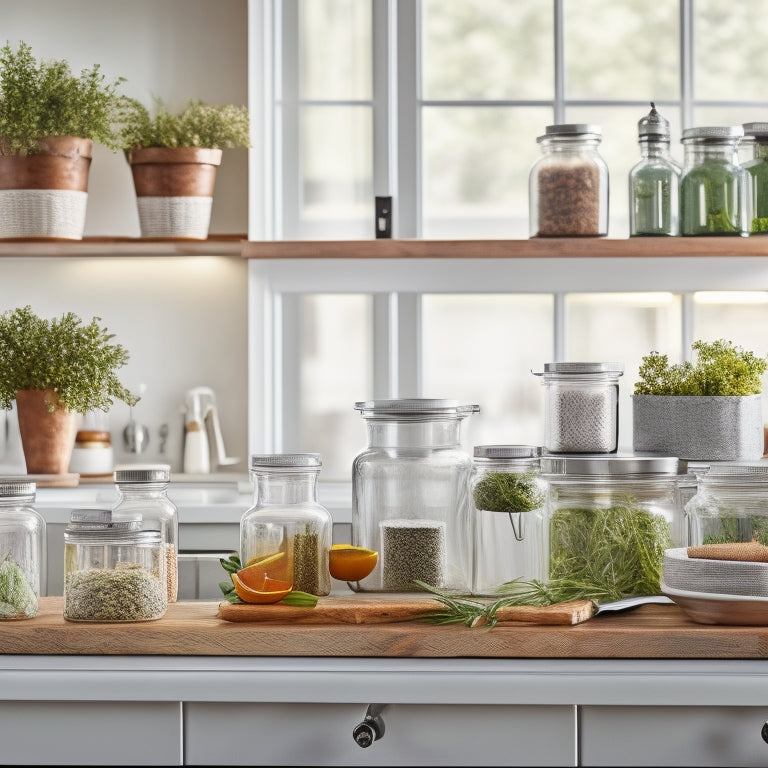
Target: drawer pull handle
x: 764, y: 732
x: 371, y: 728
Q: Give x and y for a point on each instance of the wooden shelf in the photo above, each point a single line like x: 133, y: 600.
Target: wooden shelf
x: 588, y: 247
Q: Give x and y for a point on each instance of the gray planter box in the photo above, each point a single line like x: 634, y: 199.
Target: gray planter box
x: 699, y: 428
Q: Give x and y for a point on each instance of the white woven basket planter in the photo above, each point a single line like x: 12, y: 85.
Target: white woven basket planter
x: 58, y: 213
x: 188, y: 217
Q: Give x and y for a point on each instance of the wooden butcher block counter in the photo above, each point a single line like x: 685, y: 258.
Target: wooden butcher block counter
x: 197, y: 629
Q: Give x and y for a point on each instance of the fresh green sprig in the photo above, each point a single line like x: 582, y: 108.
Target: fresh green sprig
x: 508, y: 492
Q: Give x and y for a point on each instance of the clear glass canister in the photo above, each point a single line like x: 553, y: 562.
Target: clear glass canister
x: 568, y: 184
x: 730, y: 505
x: 410, y: 495
x: 610, y: 520
x: 509, y: 498
x: 22, y: 550
x: 113, y: 570
x: 712, y: 186
x: 581, y: 407
x: 287, y: 529
x: 654, y: 182
x: 757, y: 179
x: 144, y: 490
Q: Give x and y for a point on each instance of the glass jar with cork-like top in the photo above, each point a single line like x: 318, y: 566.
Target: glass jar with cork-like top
x: 287, y: 531
x: 568, y: 184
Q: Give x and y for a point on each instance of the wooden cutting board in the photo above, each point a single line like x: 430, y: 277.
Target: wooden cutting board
x: 380, y: 610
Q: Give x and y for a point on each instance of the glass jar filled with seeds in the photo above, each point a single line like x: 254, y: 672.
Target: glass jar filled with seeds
x: 114, y: 571
x: 22, y: 550
x: 287, y: 531
x: 144, y: 490
x: 410, y: 495
x: 581, y: 407
x: 509, y: 499
x: 568, y: 184
x: 609, y: 520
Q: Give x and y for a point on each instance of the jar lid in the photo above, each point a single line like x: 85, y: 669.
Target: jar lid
x: 11, y: 487
x: 416, y: 406
x: 507, y: 452
x: 757, y: 130
x: 610, y: 465
x: 267, y: 462
x: 566, y: 130
x: 653, y: 126
x: 735, y: 472
x: 102, y: 520
x: 713, y: 133
x: 582, y: 368
x: 151, y: 473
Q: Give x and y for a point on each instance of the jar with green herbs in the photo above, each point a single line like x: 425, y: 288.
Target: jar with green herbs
x: 22, y: 550
x: 757, y: 177
x: 509, y: 499
x: 609, y: 521
x: 286, y: 529
x: 713, y: 185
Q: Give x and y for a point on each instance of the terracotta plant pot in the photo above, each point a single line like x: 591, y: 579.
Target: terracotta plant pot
x: 174, y: 189
x: 46, y: 438
x: 45, y: 194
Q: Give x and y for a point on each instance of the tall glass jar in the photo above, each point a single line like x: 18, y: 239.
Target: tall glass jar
x: 610, y: 520
x: 113, y: 570
x: 287, y: 529
x: 712, y: 186
x: 22, y: 550
x: 509, y: 500
x: 654, y: 182
x: 757, y: 179
x: 144, y: 490
x: 568, y: 184
x: 410, y: 495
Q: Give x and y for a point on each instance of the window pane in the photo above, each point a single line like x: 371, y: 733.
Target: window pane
x: 622, y: 327
x: 478, y: 187
x: 481, y: 349
x: 638, y: 59
x: 335, y: 49
x: 336, y: 174
x: 335, y: 371
x: 730, y: 59
x: 487, y: 49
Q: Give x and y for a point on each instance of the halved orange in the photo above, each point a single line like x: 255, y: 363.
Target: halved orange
x: 270, y: 591
x: 349, y: 563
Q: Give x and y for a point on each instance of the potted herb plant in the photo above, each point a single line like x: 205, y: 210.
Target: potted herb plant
x: 55, y: 369
x: 49, y: 120
x: 174, y: 156
x: 708, y: 409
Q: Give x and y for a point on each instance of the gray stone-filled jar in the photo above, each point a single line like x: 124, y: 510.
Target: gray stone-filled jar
x: 581, y: 407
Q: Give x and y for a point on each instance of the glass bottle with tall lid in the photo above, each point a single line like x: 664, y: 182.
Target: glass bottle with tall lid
x: 654, y: 182
x: 286, y: 529
x: 22, y: 550
x: 757, y: 178
x: 144, y: 490
x: 410, y: 495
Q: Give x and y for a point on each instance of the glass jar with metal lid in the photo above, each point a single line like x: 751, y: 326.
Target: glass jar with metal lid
x: 114, y: 571
x: 143, y: 489
x: 568, y: 184
x: 712, y: 186
x: 581, y: 407
x: 22, y: 550
x: 410, y: 495
x: 756, y: 168
x: 609, y: 520
x: 287, y: 530
x: 509, y: 499
x: 730, y: 505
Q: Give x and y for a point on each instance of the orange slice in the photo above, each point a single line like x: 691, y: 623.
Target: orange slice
x: 265, y: 559
x: 253, y: 576
x: 271, y: 591
x: 349, y: 563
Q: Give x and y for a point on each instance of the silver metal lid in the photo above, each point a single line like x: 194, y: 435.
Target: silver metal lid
x: 507, y: 452
x: 102, y: 520
x: 736, y: 472
x: 11, y: 487
x: 582, y: 368
x: 609, y: 465
x: 713, y: 133
x: 154, y: 473
x: 273, y: 462
x: 574, y: 130
x: 415, y: 406
x: 653, y: 127
x: 758, y: 130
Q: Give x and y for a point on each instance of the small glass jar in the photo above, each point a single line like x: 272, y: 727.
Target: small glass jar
x: 756, y: 168
x: 509, y: 498
x: 410, y: 495
x: 568, y: 184
x: 144, y: 490
x: 712, y: 186
x: 581, y: 407
x: 654, y: 182
x: 730, y: 505
x: 287, y: 528
x: 113, y: 570
x: 22, y: 550
x: 609, y: 521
